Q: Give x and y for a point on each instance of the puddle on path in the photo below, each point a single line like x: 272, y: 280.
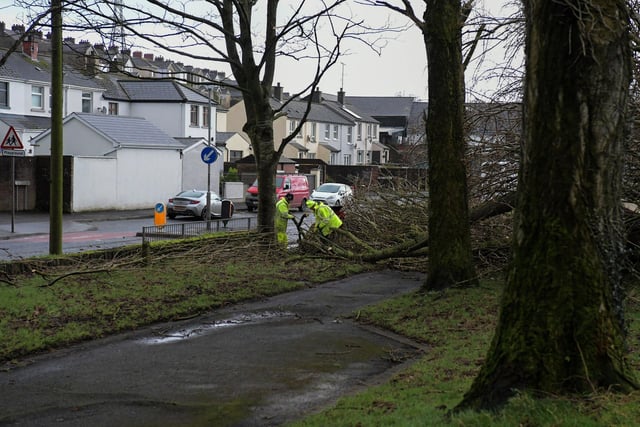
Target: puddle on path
x: 170, y: 336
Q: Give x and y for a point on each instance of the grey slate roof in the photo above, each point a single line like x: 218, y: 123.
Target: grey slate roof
x: 160, y: 91
x: 318, y: 113
x: 20, y: 67
x: 224, y: 136
x: 127, y: 132
x: 381, y: 106
x: 349, y: 111
x: 20, y: 122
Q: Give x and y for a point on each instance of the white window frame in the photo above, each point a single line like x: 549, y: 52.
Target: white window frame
x: 87, y: 102
x: 4, y: 94
x: 37, y: 97
x: 194, y: 115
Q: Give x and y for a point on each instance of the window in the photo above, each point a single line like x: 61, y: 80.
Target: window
x: 347, y: 159
x: 86, y: 102
x: 360, y: 156
x: 369, y: 131
x: 37, y: 97
x: 359, y: 132
x: 349, y: 135
x: 311, y: 155
x: 205, y: 116
x: 194, y: 115
x: 375, y: 132
x: 327, y: 131
x: 235, y: 155
x: 4, y: 94
x: 335, y: 131
x: 113, y: 108
x: 334, y: 159
x: 313, y: 131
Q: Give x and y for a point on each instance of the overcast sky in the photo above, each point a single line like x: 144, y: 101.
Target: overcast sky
x: 400, y: 69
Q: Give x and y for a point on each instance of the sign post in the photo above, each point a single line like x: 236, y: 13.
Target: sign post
x: 12, y: 146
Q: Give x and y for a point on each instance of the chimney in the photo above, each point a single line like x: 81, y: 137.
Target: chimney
x: 3, y: 27
x: 30, y: 47
x: 148, y: 56
x: 341, y: 96
x: 317, y: 96
x: 277, y: 92
x: 221, y: 75
x: 69, y: 40
x: 17, y: 28
x: 137, y: 54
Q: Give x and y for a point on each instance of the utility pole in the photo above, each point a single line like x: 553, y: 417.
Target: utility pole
x: 55, y: 197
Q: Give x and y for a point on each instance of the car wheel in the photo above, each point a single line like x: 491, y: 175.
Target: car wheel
x: 302, y: 205
x: 204, y: 213
x: 172, y: 216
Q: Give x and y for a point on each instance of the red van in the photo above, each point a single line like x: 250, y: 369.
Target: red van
x: 298, y: 185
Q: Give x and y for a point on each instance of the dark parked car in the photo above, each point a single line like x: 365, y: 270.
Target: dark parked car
x: 194, y: 202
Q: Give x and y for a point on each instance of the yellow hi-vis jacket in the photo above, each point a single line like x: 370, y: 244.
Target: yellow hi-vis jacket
x: 326, y: 219
x: 282, y: 215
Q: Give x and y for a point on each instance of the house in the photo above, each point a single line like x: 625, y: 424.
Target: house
x: 235, y: 145
x: 333, y: 132
x: 118, y: 162
x: 25, y: 92
x: 195, y: 172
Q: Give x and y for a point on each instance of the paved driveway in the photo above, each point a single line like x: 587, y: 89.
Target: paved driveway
x: 255, y: 364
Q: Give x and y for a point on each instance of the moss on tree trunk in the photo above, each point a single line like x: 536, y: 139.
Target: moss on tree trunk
x: 560, y: 328
x: 450, y: 257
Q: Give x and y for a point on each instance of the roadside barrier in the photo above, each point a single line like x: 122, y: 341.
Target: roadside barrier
x: 195, y: 228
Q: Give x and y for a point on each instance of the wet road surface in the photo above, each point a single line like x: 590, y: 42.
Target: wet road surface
x: 254, y: 364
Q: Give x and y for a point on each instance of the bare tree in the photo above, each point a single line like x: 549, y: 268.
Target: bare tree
x: 247, y: 36
x: 450, y: 257
x: 561, y: 326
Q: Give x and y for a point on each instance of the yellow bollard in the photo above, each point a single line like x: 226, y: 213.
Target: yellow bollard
x: 160, y: 217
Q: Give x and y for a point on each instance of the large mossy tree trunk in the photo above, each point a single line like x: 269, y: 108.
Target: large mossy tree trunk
x: 266, y: 158
x: 560, y: 328
x: 450, y: 256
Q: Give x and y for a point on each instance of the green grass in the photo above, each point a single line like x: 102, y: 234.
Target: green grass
x: 38, y: 313
x: 456, y: 326
x: 125, y: 291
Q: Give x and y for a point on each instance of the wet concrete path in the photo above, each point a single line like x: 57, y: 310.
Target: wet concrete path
x: 255, y: 364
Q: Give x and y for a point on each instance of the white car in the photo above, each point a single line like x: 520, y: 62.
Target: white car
x: 332, y: 194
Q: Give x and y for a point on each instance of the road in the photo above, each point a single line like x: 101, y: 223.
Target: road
x: 84, y: 232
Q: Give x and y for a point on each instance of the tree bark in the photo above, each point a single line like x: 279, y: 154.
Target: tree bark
x: 560, y: 328
x: 450, y: 256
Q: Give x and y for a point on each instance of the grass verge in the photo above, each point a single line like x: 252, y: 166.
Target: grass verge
x: 53, y: 302
x: 457, y: 326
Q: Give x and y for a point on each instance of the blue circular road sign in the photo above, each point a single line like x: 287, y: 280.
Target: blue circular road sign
x: 209, y: 155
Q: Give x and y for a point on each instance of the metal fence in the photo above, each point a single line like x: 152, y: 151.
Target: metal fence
x: 196, y: 228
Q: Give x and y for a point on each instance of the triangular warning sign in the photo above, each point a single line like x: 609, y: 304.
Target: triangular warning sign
x: 11, y: 140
